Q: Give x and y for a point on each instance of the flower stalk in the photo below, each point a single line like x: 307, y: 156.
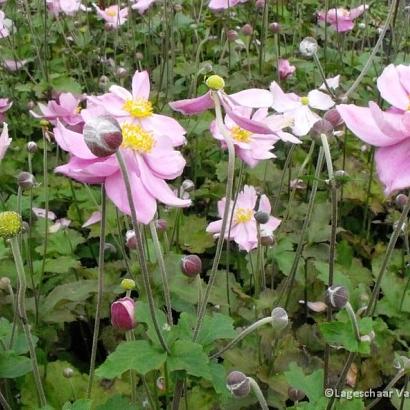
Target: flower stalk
x: 258, y: 393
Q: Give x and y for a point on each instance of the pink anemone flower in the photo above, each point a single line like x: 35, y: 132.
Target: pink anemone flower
x: 5, y: 25
x: 66, y: 109
x: 13, y: 65
x: 113, y: 15
x: 342, y: 19
x: 150, y: 159
x: 224, y: 4
x: 251, y: 98
x: 4, y: 106
x: 5, y: 141
x: 136, y: 108
x: 244, y: 229
x: 68, y: 7
x: 299, y: 108
x: 388, y: 131
x: 285, y: 69
x: 142, y: 5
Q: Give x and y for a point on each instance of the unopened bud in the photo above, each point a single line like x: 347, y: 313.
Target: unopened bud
x: 268, y: 240
x: 322, y: 127
x: 280, y: 319
x: 122, y: 314
x: 161, y: 385
x: 191, y: 265
x: 295, y: 394
x: 260, y: 4
x: 247, y: 29
x: 337, y: 297
x: 261, y: 217
x: 68, y: 372
x: 121, y: 72
x: 308, y: 47
x: 333, y: 117
x: 139, y: 56
x: 4, y: 283
x: 188, y: 185
x: 161, y: 224
x: 127, y: 284
x: 25, y: 180
x: 274, y: 27
x: 11, y: 224
x: 103, y: 82
x: 232, y: 35
x: 401, y: 200
x: 131, y: 240
x: 102, y: 135
x: 215, y: 82
x: 238, y: 384
x: 32, y: 147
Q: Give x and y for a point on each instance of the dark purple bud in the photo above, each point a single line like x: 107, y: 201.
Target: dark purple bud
x: 333, y: 117
x: 274, y: 27
x: 102, y: 135
x: 122, y: 314
x: 25, y: 180
x: 322, y: 127
x: 337, y: 297
x: 261, y: 217
x: 238, y: 384
x: 247, y: 29
x: 295, y: 394
x: 191, y: 265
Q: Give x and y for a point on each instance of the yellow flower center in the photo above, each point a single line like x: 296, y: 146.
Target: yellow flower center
x: 241, y: 135
x: 304, y: 100
x: 215, y: 82
x: 10, y: 224
x: 78, y: 109
x: 139, y: 108
x: 136, y: 138
x: 111, y: 11
x: 243, y: 215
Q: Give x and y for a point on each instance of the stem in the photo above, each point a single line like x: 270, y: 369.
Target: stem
x: 258, y: 393
x: 244, y: 333
x: 130, y: 336
x: 99, y: 293
x: 163, y: 271
x: 322, y: 75
x: 353, y: 319
x: 4, y: 403
x: 21, y: 310
x: 140, y: 252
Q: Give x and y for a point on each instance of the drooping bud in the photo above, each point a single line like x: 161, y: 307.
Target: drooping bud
x: 295, y: 394
x: 322, y: 127
x: 131, y: 240
x: 333, y: 117
x: 25, y: 180
x: 122, y: 314
x: 280, y: 319
x: 261, y: 217
x: 274, y: 27
x: 68, y: 372
x: 188, y: 185
x: 191, y: 265
x: 127, y: 284
x: 102, y: 135
x: 308, y: 47
x: 32, y: 147
x: 337, y: 297
x: 11, y: 224
x: 238, y: 384
x: 215, y: 82
x: 247, y: 29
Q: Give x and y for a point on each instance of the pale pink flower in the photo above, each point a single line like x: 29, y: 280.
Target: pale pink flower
x: 332, y: 82
x: 244, y: 229
x: 251, y: 98
x: 5, y: 25
x: 68, y: 7
x: 59, y: 224
x: 113, y: 15
x: 142, y: 5
x: 4, y: 106
x: 342, y: 19
x: 224, y: 4
x: 136, y: 108
x: 66, y: 109
x: 299, y: 108
x: 93, y: 219
x: 285, y: 69
x: 5, y: 141
x: 13, y: 65
x: 388, y: 131
x: 41, y: 213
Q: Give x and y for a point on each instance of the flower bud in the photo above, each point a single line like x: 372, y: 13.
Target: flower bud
x: 268, y: 240
x: 247, y: 29
x: 191, y: 265
x: 103, y: 82
x: 68, y: 372
x: 161, y: 224
x: 127, y: 284
x: 188, y: 185
x: 308, y: 47
x: 102, y: 135
x: 322, y: 127
x: 337, y: 297
x: 215, y: 82
x: 109, y: 248
x: 401, y: 200
x: 279, y: 319
x: 238, y: 384
x: 32, y: 147
x: 131, y: 240
x: 261, y: 217
x: 274, y: 27
x: 232, y: 35
x: 139, y: 56
x: 11, y: 224
x: 4, y: 283
x: 44, y: 123
x: 122, y: 314
x: 295, y: 394
x: 260, y: 4
x: 333, y: 117
x: 161, y: 386
x: 121, y: 72
x: 25, y: 180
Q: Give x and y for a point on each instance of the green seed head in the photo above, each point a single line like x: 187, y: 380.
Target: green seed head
x: 11, y: 224
x: 215, y: 82
x: 127, y: 284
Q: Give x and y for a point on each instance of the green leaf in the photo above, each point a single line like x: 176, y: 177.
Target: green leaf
x: 82, y: 404
x: 63, y: 242
x: 115, y: 403
x: 189, y: 356
x: 195, y: 239
x: 216, y: 327
x: 137, y: 355
x: 143, y: 315
x: 12, y: 365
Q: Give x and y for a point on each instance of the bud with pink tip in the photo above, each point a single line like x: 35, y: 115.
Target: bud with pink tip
x: 161, y: 224
x: 191, y: 265
x: 274, y: 27
x: 247, y: 29
x: 131, y: 240
x: 333, y: 117
x: 232, y: 35
x: 122, y: 314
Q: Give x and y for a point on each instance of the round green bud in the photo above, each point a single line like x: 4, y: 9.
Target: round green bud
x: 215, y: 82
x: 127, y: 284
x: 44, y: 123
x: 11, y: 224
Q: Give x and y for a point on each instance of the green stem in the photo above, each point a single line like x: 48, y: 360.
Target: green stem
x: 21, y: 310
x: 3, y: 402
x: 130, y: 337
x: 353, y: 319
x: 99, y: 293
x: 258, y: 393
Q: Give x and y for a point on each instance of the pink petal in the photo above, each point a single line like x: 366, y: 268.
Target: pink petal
x: 93, y: 219
x: 391, y: 89
x: 193, y: 105
x: 319, y: 100
x: 140, y: 85
x: 304, y: 119
x: 253, y: 98
x: 121, y: 92
x: 282, y: 102
x: 41, y: 213
x: 358, y: 11
x: 163, y: 125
